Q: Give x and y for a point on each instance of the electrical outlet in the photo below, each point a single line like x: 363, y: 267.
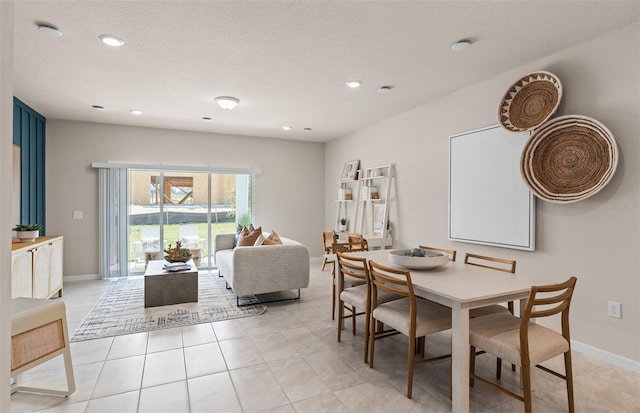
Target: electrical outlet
x: 614, y: 309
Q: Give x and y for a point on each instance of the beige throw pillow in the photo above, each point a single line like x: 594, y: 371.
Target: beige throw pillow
x: 272, y: 239
x: 248, y: 238
x: 259, y: 241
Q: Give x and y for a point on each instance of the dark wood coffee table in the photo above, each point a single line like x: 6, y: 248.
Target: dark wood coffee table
x: 162, y: 287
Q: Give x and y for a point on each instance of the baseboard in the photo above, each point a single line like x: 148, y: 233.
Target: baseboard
x: 88, y: 277
x: 606, y: 356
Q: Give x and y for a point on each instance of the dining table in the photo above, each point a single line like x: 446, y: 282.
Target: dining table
x: 460, y: 287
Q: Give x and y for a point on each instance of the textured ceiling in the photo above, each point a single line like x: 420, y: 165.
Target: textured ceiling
x: 286, y: 61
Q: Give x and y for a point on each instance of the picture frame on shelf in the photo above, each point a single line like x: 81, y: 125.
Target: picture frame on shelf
x: 350, y: 170
x: 378, y: 219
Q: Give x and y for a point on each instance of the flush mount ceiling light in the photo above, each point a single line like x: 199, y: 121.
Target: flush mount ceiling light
x: 353, y: 83
x: 286, y: 128
x: 227, y: 102
x: 136, y: 112
x: 111, y: 40
x: 49, y: 30
x: 460, y: 45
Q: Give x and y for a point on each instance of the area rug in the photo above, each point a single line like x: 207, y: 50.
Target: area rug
x: 121, y: 310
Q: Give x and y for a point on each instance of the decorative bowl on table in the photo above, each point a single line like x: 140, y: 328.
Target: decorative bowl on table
x: 177, y: 254
x: 418, y: 259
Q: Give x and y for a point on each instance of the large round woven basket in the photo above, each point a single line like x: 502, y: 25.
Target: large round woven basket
x: 530, y: 102
x: 569, y: 159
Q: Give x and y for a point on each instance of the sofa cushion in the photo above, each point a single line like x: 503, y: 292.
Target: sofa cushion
x: 272, y: 239
x: 260, y: 240
x: 249, y: 239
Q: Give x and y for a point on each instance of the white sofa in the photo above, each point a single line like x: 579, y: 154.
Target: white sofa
x: 264, y: 268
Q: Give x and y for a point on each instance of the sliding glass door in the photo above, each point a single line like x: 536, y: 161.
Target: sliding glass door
x: 170, y: 206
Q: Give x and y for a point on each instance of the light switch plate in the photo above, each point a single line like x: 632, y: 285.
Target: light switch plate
x: 77, y: 215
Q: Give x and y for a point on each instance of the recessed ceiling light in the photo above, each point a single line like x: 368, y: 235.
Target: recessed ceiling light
x: 206, y: 118
x: 460, y: 45
x: 354, y: 83
x: 136, y: 112
x: 49, y: 30
x: 227, y: 102
x: 385, y: 89
x: 286, y: 127
x: 98, y: 107
x: 307, y: 129
x: 111, y: 40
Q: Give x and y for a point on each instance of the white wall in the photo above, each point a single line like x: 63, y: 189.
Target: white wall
x: 597, y: 240
x: 289, y: 169
x: 6, y: 142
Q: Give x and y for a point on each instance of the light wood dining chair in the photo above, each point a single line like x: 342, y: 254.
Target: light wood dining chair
x: 335, y: 248
x: 452, y: 253
x: 524, y: 343
x: 353, y: 298
x: 499, y: 264
x: 411, y: 316
x: 357, y: 241
x: 329, y: 236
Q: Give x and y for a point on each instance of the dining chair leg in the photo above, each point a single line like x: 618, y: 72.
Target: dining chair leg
x: 526, y: 386
x: 324, y: 262
x: 498, y: 368
x: 353, y: 320
x: 410, y: 364
x: 510, y: 307
x: 340, y: 316
x: 472, y: 366
x: 372, y: 341
x: 333, y: 295
x: 569, y: 378
x: 367, y: 327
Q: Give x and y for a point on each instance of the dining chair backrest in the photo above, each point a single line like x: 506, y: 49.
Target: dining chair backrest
x: 340, y: 247
x: 353, y: 266
x: 546, y: 301
x: 452, y: 253
x: 357, y: 241
x: 393, y: 280
x: 500, y: 264
x: 329, y: 236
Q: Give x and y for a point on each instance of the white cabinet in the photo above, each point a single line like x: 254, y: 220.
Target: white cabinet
x: 36, y: 269
x: 21, y: 284
x: 55, y: 268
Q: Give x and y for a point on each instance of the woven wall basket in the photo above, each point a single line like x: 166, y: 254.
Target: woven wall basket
x: 569, y: 159
x: 530, y: 102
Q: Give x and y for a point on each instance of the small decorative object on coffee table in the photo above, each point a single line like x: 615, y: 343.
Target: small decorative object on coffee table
x: 177, y: 254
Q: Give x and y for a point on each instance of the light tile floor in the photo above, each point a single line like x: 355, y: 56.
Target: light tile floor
x: 286, y: 360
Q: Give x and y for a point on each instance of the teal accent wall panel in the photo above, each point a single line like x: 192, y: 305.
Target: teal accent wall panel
x: 29, y: 132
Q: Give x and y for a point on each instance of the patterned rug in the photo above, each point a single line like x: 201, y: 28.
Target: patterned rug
x: 121, y: 310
